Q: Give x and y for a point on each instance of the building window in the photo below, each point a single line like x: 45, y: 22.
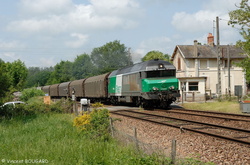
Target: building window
x: 225, y: 63
x: 193, y: 86
x: 179, y: 63
x: 191, y: 63
x: 203, y: 64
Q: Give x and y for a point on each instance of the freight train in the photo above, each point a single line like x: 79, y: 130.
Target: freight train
x: 148, y: 84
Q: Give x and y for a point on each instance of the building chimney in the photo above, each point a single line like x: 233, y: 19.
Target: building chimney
x: 210, y: 39
x: 195, y: 48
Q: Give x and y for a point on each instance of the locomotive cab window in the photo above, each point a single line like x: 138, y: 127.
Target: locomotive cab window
x: 160, y: 73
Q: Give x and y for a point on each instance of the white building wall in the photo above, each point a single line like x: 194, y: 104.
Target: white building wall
x: 237, y: 75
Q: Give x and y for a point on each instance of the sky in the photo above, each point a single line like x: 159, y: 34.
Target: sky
x: 41, y: 33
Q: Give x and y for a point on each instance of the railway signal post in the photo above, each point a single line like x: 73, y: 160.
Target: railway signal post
x: 74, y: 102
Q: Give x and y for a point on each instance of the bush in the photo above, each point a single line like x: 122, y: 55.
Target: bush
x: 19, y: 110
x: 95, y: 123
x: 82, y: 122
x: 29, y: 93
x: 62, y: 106
x: 33, y: 108
x: 99, y: 120
x: 97, y: 105
x: 38, y: 107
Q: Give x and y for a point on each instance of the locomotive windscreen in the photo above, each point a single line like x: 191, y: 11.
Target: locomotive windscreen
x: 161, y: 73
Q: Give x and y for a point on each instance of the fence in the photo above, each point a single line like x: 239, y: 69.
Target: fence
x: 148, y: 148
x: 193, y: 97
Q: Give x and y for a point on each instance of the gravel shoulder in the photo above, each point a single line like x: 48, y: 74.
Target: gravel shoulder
x: 189, y: 144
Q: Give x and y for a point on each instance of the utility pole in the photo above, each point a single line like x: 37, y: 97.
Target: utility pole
x: 218, y: 58
x: 229, y: 67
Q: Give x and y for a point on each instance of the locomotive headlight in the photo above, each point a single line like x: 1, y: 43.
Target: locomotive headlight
x: 161, y: 66
x: 155, y: 89
x: 171, y: 88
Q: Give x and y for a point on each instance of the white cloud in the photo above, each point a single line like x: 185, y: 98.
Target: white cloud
x: 61, y: 16
x: 52, y: 25
x: 159, y: 2
x: 64, y: 28
x: 114, y: 7
x: 158, y: 43
x: 202, y: 39
x: 203, y: 22
x: 84, y: 18
x: 47, y: 61
x: 9, y: 50
x: 229, y: 35
x: 197, y: 22
x: 45, y: 6
x: 58, y: 23
x: 221, y: 5
x: 10, y: 56
x: 80, y: 40
x: 10, y: 45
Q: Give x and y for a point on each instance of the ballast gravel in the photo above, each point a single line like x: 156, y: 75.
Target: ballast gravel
x: 188, y: 144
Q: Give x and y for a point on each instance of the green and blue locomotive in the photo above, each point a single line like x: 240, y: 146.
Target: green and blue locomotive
x: 149, y: 84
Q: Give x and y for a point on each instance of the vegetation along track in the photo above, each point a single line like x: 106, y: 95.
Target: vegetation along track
x: 220, y: 131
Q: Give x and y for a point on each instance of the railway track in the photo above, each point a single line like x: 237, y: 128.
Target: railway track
x: 234, y: 134
x: 211, y: 114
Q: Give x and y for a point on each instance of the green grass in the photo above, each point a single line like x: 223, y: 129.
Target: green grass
x: 51, y: 137
x: 47, y: 137
x: 223, y: 106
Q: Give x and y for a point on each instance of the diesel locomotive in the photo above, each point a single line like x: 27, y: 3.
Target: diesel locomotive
x: 148, y: 84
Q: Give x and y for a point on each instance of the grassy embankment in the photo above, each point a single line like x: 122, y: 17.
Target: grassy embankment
x: 50, y: 138
x: 36, y: 133
x: 223, y: 106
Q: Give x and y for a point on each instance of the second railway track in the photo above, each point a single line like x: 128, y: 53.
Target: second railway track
x: 234, y: 134
x: 211, y: 114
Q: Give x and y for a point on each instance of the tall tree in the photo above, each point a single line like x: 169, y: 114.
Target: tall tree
x: 18, y: 74
x: 4, y: 80
x: 38, y: 76
x: 83, y: 67
x: 62, y: 73
x: 155, y: 55
x: 111, y: 56
x: 241, y: 17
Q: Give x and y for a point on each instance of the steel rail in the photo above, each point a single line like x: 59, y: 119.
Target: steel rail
x: 183, y: 128
x: 212, y: 112
x: 192, y: 121
x: 218, y: 117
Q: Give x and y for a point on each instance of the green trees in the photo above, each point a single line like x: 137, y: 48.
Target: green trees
x: 18, y: 73
x: 29, y: 93
x: 155, y: 55
x: 241, y: 17
x: 38, y: 76
x: 83, y: 67
x: 12, y: 77
x: 111, y: 56
x: 62, y: 73
x: 4, y: 80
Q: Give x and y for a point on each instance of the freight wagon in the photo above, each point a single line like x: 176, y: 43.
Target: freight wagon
x: 148, y: 84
